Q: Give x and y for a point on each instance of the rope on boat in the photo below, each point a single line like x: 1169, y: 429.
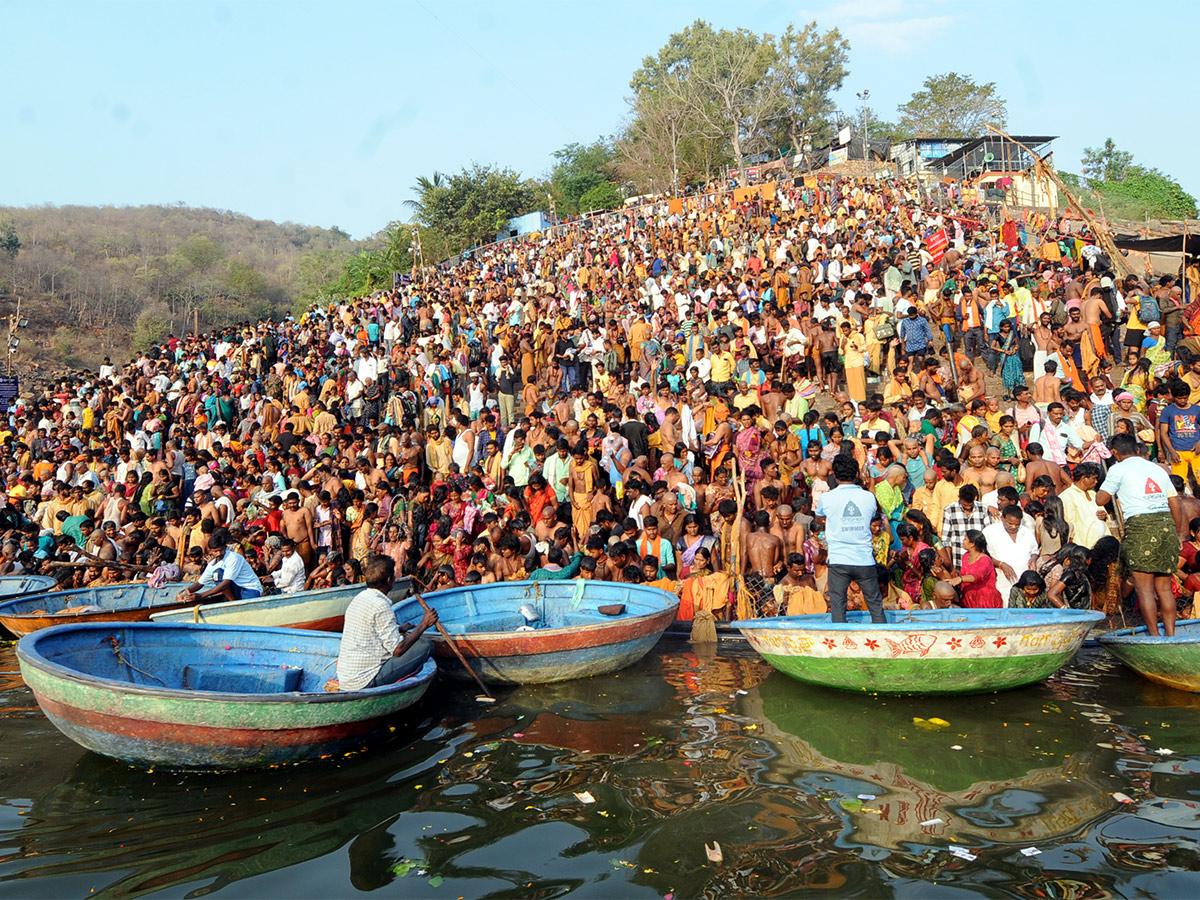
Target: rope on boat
x: 116, y: 645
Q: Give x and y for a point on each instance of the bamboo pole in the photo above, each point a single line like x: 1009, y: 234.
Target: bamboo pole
x: 1103, y: 236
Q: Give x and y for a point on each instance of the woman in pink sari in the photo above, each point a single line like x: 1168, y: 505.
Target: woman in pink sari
x: 748, y: 446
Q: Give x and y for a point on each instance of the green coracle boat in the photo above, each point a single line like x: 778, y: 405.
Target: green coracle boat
x: 936, y: 651
x: 1173, y: 661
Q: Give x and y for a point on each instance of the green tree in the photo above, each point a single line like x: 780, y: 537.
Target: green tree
x: 874, y: 127
x: 10, y: 246
x: 665, y: 143
x: 809, y: 69
x: 244, y: 281
x: 153, y: 325
x: 578, y: 169
x: 425, y: 191
x: 472, y: 206
x: 10, y: 241
x: 602, y: 196
x: 1106, y: 163
x: 725, y: 77
x: 953, y: 105
x: 200, y: 252
x: 1160, y: 195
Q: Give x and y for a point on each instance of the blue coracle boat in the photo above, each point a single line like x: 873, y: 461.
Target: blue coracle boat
x: 208, y: 697
x: 113, y: 603
x: 535, y: 632
x: 14, y: 586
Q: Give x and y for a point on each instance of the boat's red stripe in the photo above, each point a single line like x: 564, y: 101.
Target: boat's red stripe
x: 332, y: 623
x: 179, y: 733
x: 529, y: 643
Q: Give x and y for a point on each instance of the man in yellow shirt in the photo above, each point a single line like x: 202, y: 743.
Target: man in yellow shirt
x: 723, y: 363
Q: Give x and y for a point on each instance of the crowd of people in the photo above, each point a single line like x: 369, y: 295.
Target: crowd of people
x: 764, y: 400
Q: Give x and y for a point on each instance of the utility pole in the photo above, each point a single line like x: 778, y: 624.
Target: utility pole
x: 862, y: 118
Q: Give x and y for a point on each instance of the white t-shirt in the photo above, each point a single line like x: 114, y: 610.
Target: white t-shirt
x: 1141, y: 486
x: 290, y: 576
x: 847, y: 510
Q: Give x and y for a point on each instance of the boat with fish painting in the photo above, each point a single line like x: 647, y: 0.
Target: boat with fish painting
x: 935, y: 651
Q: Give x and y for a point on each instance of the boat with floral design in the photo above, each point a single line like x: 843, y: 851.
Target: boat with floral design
x: 935, y: 651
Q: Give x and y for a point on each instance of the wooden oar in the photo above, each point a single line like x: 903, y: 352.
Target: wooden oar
x: 487, y: 695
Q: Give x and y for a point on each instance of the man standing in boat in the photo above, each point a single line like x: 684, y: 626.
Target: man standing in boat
x: 1150, y: 549
x: 372, y: 651
x: 846, y: 512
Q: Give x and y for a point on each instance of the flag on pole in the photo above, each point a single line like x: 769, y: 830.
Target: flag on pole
x: 936, y: 244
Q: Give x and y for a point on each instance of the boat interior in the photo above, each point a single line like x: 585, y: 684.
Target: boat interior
x: 536, y: 606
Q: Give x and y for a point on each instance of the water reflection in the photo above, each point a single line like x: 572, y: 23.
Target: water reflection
x: 807, y: 790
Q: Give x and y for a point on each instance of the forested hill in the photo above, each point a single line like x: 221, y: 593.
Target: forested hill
x: 101, y: 280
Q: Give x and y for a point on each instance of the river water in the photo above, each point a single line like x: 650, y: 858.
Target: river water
x: 807, y: 791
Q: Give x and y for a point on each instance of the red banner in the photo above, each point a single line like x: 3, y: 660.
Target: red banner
x: 936, y: 244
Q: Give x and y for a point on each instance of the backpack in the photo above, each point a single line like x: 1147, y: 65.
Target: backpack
x: 1148, y: 310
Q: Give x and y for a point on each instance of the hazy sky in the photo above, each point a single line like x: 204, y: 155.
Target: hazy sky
x: 325, y: 113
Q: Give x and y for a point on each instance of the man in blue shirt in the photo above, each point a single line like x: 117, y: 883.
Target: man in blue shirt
x: 846, y: 512
x: 226, y: 577
x: 915, y: 334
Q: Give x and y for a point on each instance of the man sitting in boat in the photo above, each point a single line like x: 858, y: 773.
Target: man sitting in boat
x: 372, y: 652
x: 226, y: 577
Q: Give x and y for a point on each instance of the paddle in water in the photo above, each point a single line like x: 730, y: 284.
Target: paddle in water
x: 486, y: 697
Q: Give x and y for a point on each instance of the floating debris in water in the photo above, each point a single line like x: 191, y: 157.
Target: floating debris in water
x: 1122, y: 798
x: 929, y: 822
x: 585, y: 797
x: 1163, y: 751
x: 963, y: 853
x: 714, y: 852
x: 1030, y: 851
x: 956, y: 747
x: 933, y: 724
x: 866, y: 796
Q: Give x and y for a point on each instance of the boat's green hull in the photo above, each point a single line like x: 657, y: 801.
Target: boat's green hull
x: 922, y: 676
x: 1175, y: 665
x: 924, y: 651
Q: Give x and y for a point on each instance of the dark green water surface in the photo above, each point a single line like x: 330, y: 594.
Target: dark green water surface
x: 809, y: 792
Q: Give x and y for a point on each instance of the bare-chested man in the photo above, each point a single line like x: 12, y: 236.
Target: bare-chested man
x: 508, y: 564
x: 770, y: 478
x: 1046, y: 387
x: 766, y: 554
x: 1095, y: 314
x: 978, y: 472
x: 970, y: 382
x: 297, y: 523
x: 1037, y: 466
x: 788, y: 530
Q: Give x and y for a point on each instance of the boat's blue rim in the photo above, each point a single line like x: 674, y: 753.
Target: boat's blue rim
x: 1141, y: 636
x: 822, y: 622
x: 25, y: 598
x: 28, y: 653
x: 500, y: 586
x: 267, y: 600
x: 616, y: 621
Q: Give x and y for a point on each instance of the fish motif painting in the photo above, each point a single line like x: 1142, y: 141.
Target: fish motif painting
x: 914, y: 643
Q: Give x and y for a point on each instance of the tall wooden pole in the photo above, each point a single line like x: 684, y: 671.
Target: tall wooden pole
x: 1103, y: 236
